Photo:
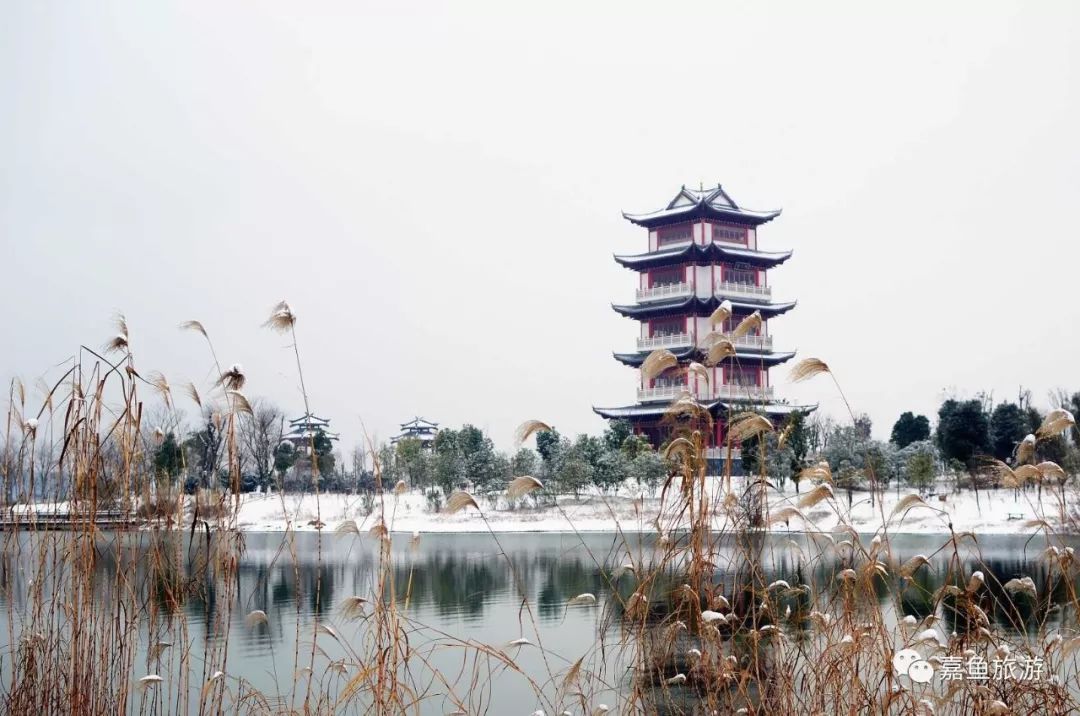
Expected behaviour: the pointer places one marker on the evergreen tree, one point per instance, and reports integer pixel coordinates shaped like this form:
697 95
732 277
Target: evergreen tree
910 428
616 433
920 468
1008 426
324 455
284 458
547 444
523 462
963 431
414 461
169 457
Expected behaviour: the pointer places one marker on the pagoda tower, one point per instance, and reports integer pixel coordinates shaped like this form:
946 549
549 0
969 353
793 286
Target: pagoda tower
702 253
302 431
418 429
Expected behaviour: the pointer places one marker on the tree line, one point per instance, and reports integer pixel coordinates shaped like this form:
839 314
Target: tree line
967 436
466 457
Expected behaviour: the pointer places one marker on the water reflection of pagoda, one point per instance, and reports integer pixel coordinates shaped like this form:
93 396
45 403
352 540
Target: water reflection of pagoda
302 431
703 251
418 429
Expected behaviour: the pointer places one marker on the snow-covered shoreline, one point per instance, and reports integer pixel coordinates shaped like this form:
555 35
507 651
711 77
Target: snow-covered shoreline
1000 511
997 511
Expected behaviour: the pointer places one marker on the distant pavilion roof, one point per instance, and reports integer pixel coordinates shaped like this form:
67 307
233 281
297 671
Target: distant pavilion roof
702 256
309 419
306 427
711 203
696 306
770 359
419 423
417 429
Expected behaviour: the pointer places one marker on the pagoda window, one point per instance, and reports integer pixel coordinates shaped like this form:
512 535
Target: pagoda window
740 273
743 375
684 233
667 276
669 379
728 233
737 318
667 327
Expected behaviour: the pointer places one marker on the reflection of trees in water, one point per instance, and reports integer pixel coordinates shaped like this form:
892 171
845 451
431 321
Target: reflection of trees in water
175 577
452 584
562 579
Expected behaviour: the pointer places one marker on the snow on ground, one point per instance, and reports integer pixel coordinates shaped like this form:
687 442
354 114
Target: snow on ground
1000 511
633 509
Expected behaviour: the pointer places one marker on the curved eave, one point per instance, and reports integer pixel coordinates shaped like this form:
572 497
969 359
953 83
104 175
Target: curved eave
702 211
761 259
658 309
658 410
634 360
771 409
663 257
702 256
697 307
631 411
640 410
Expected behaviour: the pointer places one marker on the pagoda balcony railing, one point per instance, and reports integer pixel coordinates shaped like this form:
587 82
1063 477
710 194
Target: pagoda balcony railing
721 453
672 340
659 393
763 343
658 293
743 392
743 290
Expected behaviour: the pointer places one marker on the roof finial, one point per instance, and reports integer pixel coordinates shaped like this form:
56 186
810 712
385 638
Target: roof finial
701 185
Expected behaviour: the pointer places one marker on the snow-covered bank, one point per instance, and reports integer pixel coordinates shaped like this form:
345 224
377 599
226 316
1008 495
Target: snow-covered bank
1001 511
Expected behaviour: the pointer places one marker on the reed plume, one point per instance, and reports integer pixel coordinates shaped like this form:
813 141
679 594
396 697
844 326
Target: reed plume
528 428
750 323
721 314
521 486
657 362
807 368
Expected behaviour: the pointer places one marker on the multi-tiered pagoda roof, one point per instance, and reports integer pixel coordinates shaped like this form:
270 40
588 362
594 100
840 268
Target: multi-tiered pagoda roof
702 204
418 429
703 254
696 306
306 427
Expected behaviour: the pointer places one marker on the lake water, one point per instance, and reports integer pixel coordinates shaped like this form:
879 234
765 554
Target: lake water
460 587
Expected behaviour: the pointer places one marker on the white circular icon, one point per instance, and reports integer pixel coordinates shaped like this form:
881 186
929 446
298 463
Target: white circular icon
903 660
921 672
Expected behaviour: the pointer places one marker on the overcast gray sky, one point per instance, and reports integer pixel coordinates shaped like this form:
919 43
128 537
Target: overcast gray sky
436 188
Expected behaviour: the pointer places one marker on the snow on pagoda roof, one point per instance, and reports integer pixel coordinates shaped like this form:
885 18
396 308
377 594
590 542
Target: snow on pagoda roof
775 408
702 255
422 438
646 410
697 307
309 419
633 411
419 422
308 434
713 202
635 360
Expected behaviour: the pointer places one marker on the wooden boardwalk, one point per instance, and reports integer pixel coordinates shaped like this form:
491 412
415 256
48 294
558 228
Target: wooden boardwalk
64 520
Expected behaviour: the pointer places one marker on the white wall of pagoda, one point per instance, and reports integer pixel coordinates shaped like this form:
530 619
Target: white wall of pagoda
703 280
